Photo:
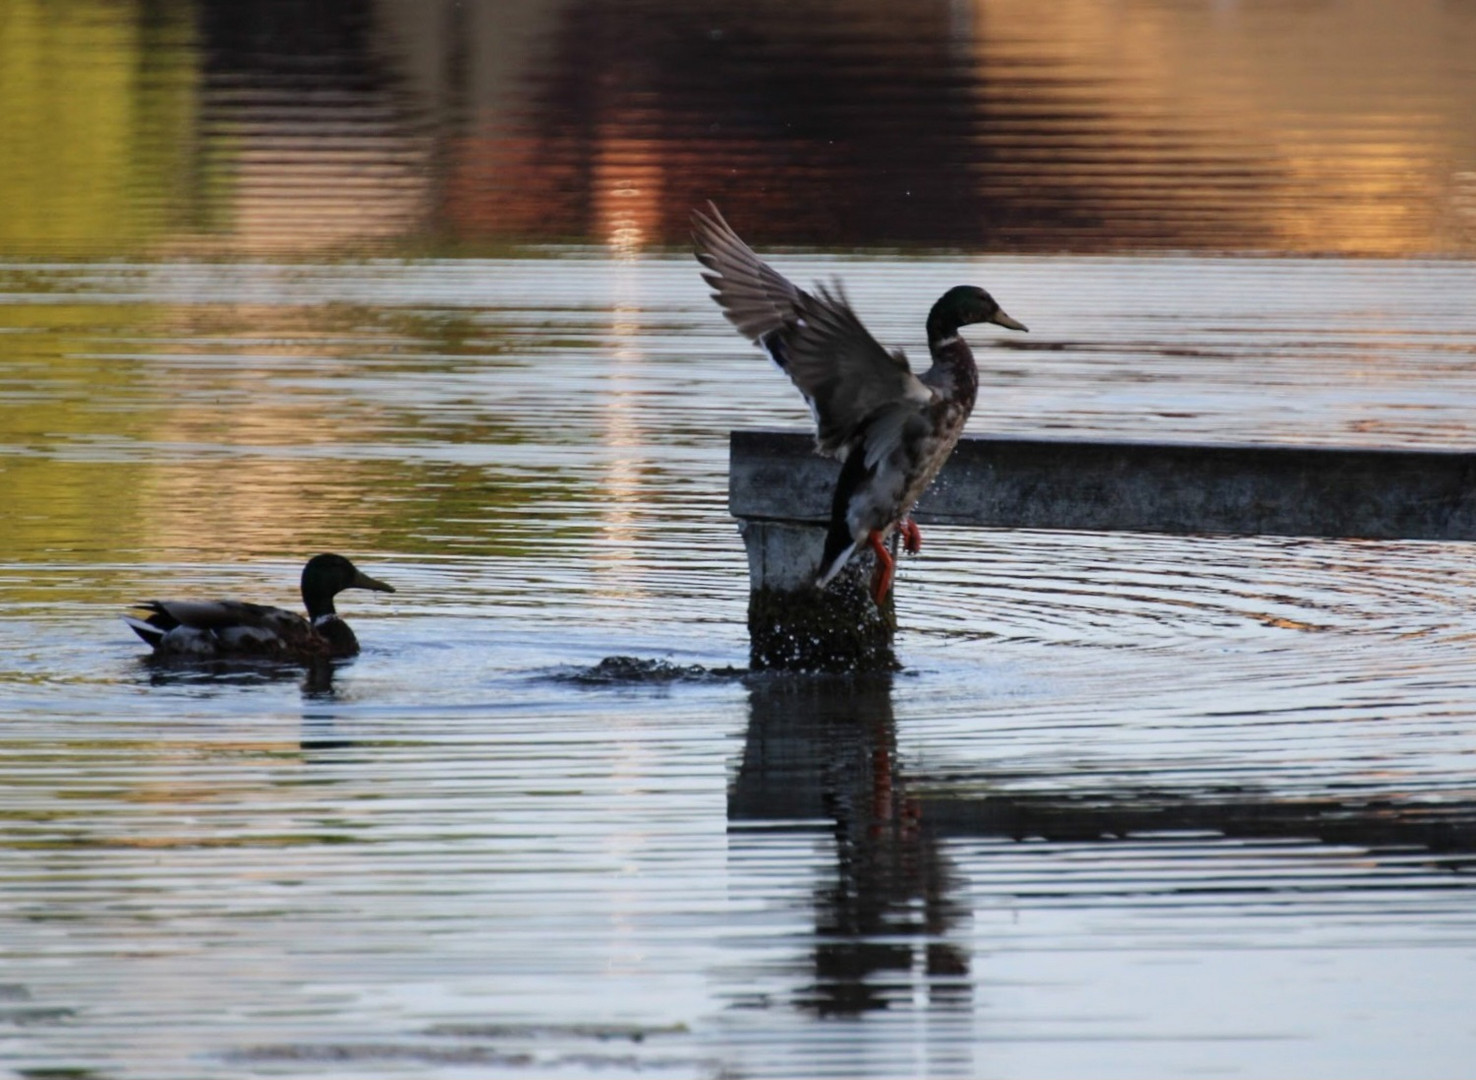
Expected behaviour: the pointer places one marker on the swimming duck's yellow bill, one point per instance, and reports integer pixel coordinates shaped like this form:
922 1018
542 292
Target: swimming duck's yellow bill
364 581
1008 323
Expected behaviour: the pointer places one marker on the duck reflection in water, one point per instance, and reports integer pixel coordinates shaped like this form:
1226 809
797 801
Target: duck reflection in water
314 679
825 747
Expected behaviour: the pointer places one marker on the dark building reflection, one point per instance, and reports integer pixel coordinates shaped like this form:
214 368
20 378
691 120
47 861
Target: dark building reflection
830 124
825 749
306 129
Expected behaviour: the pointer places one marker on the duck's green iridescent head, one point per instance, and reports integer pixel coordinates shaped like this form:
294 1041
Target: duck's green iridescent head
325 576
962 305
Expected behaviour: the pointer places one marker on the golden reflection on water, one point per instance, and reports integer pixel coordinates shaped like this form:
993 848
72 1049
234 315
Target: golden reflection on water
627 188
1340 127
996 125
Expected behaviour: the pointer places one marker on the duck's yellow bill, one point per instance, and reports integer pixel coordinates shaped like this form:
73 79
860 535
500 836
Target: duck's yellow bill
364 581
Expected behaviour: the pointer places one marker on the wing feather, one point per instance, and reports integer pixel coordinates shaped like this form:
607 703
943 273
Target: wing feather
755 297
842 371
222 614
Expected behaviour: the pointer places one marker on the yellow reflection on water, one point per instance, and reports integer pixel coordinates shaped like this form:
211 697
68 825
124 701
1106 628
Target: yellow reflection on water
211 432
97 146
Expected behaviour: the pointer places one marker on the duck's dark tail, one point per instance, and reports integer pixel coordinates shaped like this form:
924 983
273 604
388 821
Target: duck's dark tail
839 547
151 634
841 541
152 629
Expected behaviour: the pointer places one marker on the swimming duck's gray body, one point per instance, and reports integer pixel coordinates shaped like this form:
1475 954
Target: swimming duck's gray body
234 628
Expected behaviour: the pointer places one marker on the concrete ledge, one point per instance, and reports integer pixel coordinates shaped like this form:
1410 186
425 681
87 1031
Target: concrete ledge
1002 482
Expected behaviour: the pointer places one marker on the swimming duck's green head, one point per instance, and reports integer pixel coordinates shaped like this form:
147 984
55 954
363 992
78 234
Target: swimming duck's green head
325 576
962 305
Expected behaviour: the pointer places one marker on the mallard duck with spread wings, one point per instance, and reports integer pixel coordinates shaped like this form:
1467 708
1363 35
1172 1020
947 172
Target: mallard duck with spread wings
235 628
891 430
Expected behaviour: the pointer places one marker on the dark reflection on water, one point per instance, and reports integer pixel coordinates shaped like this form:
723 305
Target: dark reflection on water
826 748
1410 831
890 928
996 125
223 677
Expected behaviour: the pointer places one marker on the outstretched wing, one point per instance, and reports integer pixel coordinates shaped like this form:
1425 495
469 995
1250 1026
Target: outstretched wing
843 372
755 297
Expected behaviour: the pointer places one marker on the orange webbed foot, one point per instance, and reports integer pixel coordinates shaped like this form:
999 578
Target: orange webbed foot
911 535
886 568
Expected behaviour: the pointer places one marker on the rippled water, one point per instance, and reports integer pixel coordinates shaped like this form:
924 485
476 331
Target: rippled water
1138 805
257 126
400 279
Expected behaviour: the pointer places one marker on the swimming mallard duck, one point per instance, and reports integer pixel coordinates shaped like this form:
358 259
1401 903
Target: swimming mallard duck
234 628
891 429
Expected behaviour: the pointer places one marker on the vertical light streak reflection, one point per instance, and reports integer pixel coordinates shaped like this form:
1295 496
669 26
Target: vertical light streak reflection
627 192
622 493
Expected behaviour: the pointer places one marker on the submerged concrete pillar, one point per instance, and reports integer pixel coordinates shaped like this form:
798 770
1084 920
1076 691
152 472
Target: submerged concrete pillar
792 625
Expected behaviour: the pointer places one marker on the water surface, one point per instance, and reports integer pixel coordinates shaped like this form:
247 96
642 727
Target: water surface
404 281
1138 805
